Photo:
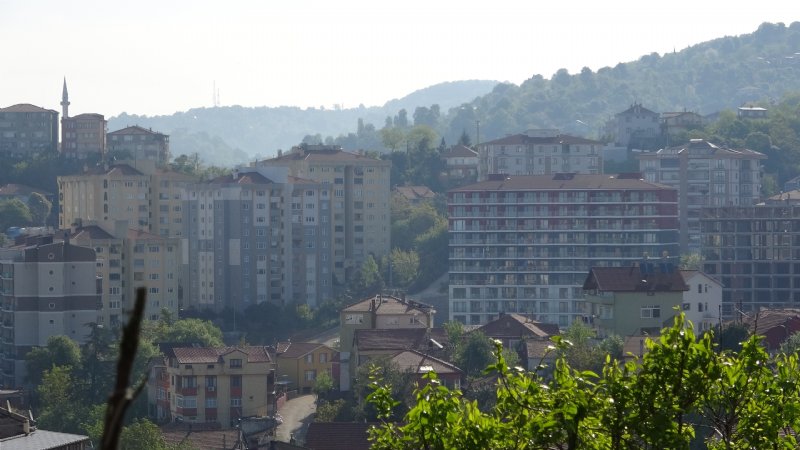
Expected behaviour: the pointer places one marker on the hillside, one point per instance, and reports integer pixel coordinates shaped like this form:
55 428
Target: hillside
720 74
234 134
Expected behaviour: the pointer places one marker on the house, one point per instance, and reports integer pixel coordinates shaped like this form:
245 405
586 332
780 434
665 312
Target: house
140 143
629 300
419 363
775 325
415 194
19 432
377 313
301 362
751 112
461 164
537 352
702 303
512 329
636 127
673 123
213 385
371 344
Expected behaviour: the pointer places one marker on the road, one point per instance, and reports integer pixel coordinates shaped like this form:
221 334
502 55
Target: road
297 414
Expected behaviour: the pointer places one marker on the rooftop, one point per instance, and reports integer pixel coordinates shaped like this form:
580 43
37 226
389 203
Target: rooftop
26 107
652 276
562 181
421 339
387 304
513 324
524 139
211 355
297 349
136 129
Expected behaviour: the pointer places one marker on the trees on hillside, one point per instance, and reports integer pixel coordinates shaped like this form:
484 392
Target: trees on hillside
682 393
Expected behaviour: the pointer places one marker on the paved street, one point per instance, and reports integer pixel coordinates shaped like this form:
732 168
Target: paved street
297 414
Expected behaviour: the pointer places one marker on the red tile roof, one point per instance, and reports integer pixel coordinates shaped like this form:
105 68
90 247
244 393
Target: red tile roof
418 362
632 279
298 349
136 129
243 178
91 232
26 107
518 326
324 155
211 355
524 139
387 304
460 151
400 339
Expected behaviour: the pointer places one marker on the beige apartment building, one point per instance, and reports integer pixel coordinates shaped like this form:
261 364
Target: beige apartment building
300 363
212 385
360 200
140 144
128 259
539 152
28 130
83 136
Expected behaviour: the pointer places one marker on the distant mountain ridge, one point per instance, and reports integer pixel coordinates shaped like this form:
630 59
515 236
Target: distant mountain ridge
761 67
229 135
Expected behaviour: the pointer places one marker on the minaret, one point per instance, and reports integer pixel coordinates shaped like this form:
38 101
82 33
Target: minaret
64 101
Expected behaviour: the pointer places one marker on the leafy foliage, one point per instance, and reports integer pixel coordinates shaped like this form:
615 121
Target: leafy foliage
682 390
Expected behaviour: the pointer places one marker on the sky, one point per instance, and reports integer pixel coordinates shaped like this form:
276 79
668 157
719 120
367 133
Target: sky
151 57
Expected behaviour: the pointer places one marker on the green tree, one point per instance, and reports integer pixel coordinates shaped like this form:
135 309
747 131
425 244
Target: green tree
392 138
198 331
474 354
60 409
692 261
323 385
142 435
368 280
39 208
59 351
14 213
404 267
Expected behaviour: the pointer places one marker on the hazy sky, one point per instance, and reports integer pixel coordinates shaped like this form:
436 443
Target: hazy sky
157 57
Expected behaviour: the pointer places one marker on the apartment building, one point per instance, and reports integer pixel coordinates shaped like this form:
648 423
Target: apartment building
755 252
46 289
128 259
27 130
636 127
359 186
212 385
524 244
539 152
83 136
105 194
140 144
258 235
705 174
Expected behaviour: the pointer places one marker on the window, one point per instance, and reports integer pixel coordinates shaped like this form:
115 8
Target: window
190 382
323 358
236 381
310 358
211 402
211 381
310 375
190 402
236 401
651 312
235 363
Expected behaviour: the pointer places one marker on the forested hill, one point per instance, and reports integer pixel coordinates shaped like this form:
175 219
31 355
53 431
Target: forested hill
760 67
233 134
720 74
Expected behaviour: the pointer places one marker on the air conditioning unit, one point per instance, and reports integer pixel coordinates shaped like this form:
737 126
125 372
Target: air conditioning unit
211 388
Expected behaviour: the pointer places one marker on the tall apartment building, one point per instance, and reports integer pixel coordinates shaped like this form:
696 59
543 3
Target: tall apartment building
28 130
103 195
119 208
46 289
360 191
525 244
83 136
704 174
149 199
140 143
539 152
212 385
258 235
128 259
755 252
